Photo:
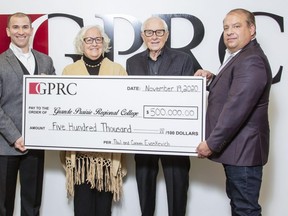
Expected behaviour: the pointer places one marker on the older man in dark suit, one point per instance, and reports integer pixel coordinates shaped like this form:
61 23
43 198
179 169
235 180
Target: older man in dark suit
237 128
160 60
19 59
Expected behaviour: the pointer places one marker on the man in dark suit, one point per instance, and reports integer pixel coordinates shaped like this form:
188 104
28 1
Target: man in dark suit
161 60
237 128
19 59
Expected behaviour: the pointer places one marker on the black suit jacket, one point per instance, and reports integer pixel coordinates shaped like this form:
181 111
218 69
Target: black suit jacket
237 128
174 63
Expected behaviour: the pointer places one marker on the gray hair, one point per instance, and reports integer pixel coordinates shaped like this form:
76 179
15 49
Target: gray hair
154 18
78 42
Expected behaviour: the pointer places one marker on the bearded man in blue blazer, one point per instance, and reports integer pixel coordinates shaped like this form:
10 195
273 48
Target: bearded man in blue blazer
237 128
18 60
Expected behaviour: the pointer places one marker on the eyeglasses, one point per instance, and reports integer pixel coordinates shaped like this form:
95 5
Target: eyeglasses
158 32
89 40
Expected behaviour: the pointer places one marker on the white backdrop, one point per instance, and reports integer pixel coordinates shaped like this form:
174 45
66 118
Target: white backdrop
207 183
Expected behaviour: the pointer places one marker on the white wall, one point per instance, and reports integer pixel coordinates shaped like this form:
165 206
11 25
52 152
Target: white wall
207 192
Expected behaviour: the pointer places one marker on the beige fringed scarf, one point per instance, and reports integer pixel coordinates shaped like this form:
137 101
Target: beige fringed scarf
94 166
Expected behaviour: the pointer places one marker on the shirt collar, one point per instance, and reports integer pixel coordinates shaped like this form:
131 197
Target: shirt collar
18 51
228 53
160 54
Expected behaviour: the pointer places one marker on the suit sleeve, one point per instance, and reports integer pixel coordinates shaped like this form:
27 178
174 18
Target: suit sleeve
128 66
7 127
188 67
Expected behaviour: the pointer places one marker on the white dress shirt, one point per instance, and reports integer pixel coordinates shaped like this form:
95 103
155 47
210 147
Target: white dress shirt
27 59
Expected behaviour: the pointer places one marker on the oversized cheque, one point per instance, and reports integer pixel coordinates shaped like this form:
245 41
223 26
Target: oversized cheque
153 115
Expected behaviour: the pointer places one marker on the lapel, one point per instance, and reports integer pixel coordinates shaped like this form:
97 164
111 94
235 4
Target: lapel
143 68
104 68
164 67
225 69
12 60
36 62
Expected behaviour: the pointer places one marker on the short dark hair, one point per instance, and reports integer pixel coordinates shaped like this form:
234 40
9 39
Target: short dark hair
249 15
250 18
18 14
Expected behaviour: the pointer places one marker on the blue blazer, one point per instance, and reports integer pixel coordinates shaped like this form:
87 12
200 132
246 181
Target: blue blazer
237 128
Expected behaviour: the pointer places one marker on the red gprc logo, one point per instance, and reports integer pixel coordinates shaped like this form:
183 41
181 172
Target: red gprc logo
52 88
34 88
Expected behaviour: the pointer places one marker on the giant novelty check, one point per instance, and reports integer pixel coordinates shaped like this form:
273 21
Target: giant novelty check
131 114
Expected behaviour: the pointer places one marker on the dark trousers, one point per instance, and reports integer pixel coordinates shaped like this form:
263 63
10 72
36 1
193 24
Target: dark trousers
243 188
91 202
31 168
176 173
